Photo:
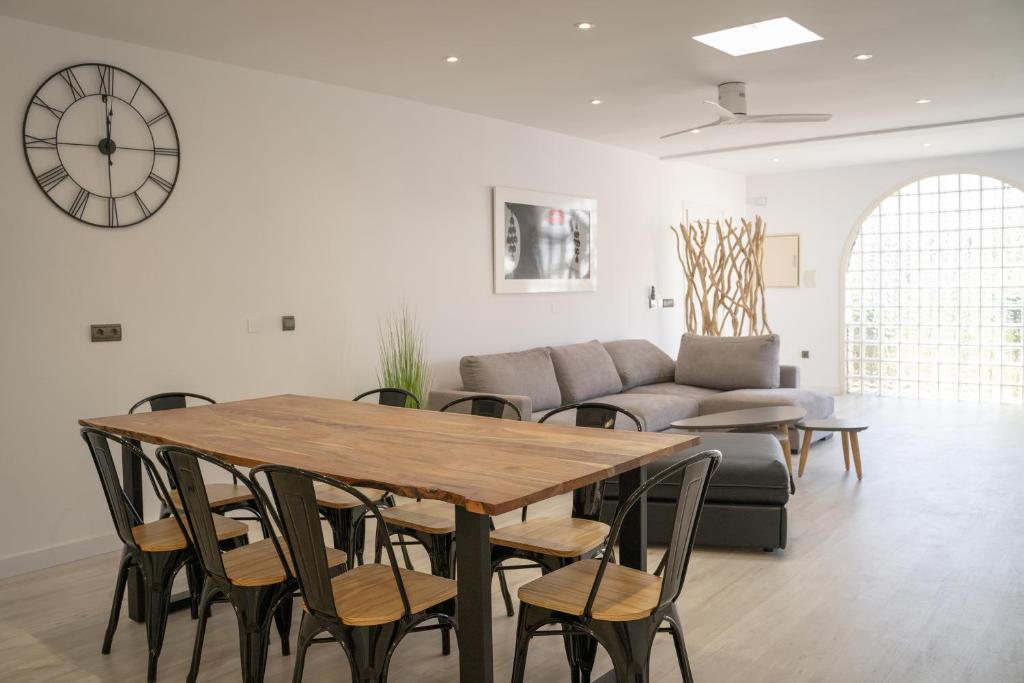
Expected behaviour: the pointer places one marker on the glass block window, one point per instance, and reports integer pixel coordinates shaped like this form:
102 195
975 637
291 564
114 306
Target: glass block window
935 293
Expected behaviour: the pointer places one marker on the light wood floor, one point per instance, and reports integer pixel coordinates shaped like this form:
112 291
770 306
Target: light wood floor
914 574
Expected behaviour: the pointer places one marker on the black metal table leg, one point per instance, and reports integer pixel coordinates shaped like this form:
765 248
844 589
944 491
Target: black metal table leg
633 541
473 561
131 474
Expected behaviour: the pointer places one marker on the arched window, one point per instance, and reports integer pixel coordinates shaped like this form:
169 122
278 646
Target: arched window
935 293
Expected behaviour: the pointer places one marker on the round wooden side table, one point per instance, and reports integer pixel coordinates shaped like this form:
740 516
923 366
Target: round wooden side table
848 429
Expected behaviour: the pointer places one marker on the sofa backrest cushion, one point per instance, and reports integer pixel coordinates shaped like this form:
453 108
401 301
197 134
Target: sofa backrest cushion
729 362
640 362
525 373
584 371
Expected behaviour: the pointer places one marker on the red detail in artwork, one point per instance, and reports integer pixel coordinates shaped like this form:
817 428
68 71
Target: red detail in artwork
554 216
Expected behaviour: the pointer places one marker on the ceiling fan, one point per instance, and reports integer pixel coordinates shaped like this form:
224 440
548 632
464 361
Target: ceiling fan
732 110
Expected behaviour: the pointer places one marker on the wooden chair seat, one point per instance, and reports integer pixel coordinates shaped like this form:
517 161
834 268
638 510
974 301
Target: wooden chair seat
368 595
625 594
428 516
164 535
338 499
258 564
556 536
220 495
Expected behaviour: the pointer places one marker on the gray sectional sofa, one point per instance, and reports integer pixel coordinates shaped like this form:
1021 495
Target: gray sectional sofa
747 495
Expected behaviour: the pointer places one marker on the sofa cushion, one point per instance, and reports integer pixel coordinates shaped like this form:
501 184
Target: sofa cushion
527 373
655 412
673 389
640 362
584 371
817 404
753 471
728 362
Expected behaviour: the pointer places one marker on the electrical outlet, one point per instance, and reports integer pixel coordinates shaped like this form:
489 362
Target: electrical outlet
105 333
805 354
668 303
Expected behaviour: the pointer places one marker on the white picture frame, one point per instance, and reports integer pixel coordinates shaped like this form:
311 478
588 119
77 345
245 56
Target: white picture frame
544 242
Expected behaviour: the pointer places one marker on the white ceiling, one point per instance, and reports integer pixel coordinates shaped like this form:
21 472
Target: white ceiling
523 61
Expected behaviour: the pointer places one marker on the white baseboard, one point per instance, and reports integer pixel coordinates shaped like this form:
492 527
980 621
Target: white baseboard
12 565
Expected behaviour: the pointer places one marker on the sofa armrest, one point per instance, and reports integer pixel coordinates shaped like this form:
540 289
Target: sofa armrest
437 398
789 377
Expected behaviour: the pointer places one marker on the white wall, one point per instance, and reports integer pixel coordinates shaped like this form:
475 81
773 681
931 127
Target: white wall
826 208
295 197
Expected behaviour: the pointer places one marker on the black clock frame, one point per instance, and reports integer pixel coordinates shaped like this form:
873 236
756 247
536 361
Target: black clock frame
103 146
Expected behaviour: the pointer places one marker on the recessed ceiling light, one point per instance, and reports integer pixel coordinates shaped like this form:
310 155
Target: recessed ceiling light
863 57
776 160
927 144
584 26
595 101
923 100
695 131
759 37
451 59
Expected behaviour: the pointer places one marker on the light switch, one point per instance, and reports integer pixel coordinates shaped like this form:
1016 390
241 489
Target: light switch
288 323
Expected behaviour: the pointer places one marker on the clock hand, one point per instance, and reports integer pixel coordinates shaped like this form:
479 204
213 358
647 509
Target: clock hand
91 144
110 114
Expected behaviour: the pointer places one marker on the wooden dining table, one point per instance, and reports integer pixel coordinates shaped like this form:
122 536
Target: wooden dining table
481 465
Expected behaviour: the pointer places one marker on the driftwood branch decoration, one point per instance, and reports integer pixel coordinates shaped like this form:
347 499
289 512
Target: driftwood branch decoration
722 268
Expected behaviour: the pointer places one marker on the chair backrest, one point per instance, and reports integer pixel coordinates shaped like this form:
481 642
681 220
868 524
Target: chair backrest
123 514
486 405
183 466
295 500
392 396
169 401
695 473
587 501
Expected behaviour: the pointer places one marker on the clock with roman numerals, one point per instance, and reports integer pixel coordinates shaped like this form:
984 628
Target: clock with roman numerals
101 145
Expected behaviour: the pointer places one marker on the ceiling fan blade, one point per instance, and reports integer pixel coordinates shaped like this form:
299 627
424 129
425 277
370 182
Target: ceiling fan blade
690 130
722 111
787 118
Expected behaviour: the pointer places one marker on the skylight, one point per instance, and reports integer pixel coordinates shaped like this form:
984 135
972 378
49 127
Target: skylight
759 37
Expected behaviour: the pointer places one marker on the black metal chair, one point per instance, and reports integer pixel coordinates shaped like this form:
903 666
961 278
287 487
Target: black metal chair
345 514
621 608
488 405
156 549
223 497
549 543
252 578
392 396
366 610
432 523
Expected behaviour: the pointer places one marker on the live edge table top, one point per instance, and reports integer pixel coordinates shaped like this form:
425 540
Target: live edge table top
485 465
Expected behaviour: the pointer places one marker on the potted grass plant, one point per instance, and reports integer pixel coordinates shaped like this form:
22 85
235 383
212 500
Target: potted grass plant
403 354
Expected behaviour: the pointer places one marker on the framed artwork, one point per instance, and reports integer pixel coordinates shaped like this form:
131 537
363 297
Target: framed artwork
544 242
781 261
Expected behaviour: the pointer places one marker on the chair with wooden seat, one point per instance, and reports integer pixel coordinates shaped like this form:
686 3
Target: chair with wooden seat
622 608
345 514
224 497
252 578
431 523
156 549
553 542
366 610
